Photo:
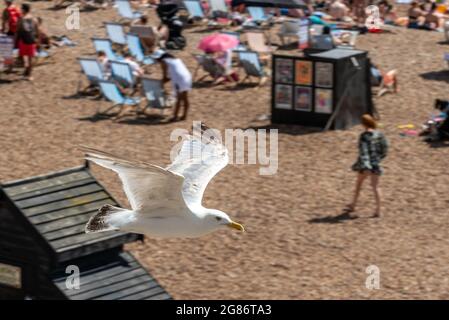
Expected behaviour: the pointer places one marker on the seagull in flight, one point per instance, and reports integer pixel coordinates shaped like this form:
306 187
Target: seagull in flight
165 203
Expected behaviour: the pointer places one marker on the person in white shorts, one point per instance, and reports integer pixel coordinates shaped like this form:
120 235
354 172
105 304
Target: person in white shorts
175 70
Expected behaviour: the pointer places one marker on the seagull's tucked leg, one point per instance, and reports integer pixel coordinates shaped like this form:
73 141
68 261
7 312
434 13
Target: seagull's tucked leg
110 218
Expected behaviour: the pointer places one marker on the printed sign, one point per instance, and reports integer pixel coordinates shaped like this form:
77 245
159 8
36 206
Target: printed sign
284 70
10 276
304 72
303 99
283 96
323 101
323 74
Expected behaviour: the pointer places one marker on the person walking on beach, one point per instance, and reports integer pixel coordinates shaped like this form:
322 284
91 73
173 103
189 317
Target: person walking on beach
175 70
27 36
373 148
10 17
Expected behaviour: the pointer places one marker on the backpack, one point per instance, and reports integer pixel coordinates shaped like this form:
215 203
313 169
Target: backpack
27 31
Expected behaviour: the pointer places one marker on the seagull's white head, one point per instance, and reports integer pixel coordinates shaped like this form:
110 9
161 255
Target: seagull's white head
216 219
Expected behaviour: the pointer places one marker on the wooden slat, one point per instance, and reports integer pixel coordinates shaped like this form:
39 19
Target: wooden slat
80 239
98 275
107 282
110 241
65 213
89 270
56 196
108 289
128 257
63 223
66 232
145 294
73 202
46 182
161 296
153 286
52 189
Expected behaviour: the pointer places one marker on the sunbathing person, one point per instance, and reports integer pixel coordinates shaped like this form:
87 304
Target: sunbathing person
434 20
387 12
386 81
339 11
105 64
135 68
416 16
224 59
160 35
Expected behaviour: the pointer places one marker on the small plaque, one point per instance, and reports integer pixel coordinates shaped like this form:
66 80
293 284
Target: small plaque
10 275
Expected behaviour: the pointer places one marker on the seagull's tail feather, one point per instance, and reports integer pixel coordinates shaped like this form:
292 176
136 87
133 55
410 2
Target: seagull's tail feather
109 218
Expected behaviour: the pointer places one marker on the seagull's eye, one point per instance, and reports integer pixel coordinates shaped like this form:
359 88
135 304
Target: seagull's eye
218 218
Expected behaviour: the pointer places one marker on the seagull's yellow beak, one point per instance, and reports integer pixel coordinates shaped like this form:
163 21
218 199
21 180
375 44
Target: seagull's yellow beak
236 225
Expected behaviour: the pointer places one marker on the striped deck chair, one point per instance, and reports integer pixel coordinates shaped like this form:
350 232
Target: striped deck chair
210 66
112 93
258 14
289 29
250 62
105 45
194 9
115 32
135 48
154 94
218 6
125 11
123 74
92 70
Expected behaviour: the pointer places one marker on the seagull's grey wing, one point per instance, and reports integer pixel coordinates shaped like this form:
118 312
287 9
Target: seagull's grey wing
198 161
148 187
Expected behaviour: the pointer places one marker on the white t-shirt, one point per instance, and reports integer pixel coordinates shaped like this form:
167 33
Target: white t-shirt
180 76
134 67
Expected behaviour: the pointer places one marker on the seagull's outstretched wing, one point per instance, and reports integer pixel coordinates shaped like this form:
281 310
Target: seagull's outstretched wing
198 161
148 187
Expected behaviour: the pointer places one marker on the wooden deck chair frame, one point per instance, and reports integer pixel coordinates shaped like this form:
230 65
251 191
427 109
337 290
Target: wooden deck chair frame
200 59
164 105
82 75
115 105
262 78
254 43
200 20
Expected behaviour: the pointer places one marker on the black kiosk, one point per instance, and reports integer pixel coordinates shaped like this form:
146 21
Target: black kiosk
330 90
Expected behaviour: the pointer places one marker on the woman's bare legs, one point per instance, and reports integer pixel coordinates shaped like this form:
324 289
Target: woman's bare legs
177 107
376 190
361 176
184 97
